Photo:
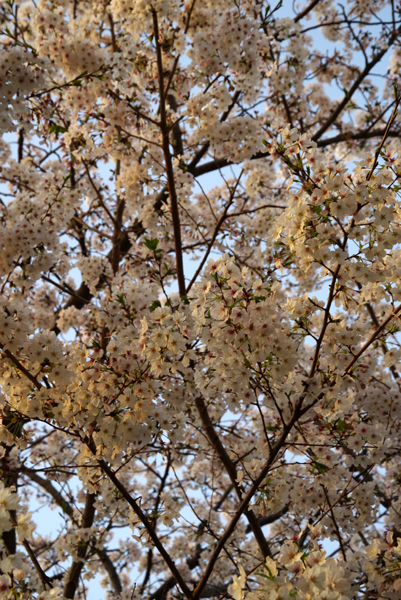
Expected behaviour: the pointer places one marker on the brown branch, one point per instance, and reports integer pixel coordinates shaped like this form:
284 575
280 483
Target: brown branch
72 579
113 34
214 236
379 328
347 97
177 58
20 144
83 296
67 84
386 132
376 323
47 485
268 519
220 163
66 507
86 226
232 473
202 151
176 133
145 521
169 165
371 339
306 10
333 518
42 575
358 135
326 319
297 413
118 223
21 367
65 290
168 585
193 561
98 194
110 569
155 510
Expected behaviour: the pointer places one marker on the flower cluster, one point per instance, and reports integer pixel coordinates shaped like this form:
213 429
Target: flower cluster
200 360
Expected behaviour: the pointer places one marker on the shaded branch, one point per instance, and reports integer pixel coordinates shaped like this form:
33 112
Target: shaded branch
169 165
232 473
145 521
193 561
306 10
347 97
72 578
297 413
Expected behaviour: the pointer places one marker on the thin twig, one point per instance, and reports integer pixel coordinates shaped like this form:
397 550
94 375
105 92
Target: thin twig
386 132
149 528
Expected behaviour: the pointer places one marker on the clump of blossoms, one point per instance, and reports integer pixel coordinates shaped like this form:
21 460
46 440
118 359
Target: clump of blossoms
311 574
200 300
18 578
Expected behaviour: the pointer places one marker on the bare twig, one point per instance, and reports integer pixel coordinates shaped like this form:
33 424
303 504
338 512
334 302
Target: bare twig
148 526
232 473
306 10
386 132
72 579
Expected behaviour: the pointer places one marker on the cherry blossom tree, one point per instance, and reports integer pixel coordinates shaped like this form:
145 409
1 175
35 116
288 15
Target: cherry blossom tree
200 299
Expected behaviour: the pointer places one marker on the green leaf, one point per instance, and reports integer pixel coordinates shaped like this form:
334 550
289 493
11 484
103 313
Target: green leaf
342 425
168 270
269 576
320 467
120 299
96 344
57 129
81 75
155 305
151 244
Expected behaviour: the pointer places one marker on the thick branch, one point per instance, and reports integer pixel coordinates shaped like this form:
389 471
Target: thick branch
155 510
220 163
297 413
372 338
176 132
21 367
355 86
232 473
68 509
193 561
72 579
110 570
306 10
42 575
47 485
268 519
149 528
169 165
